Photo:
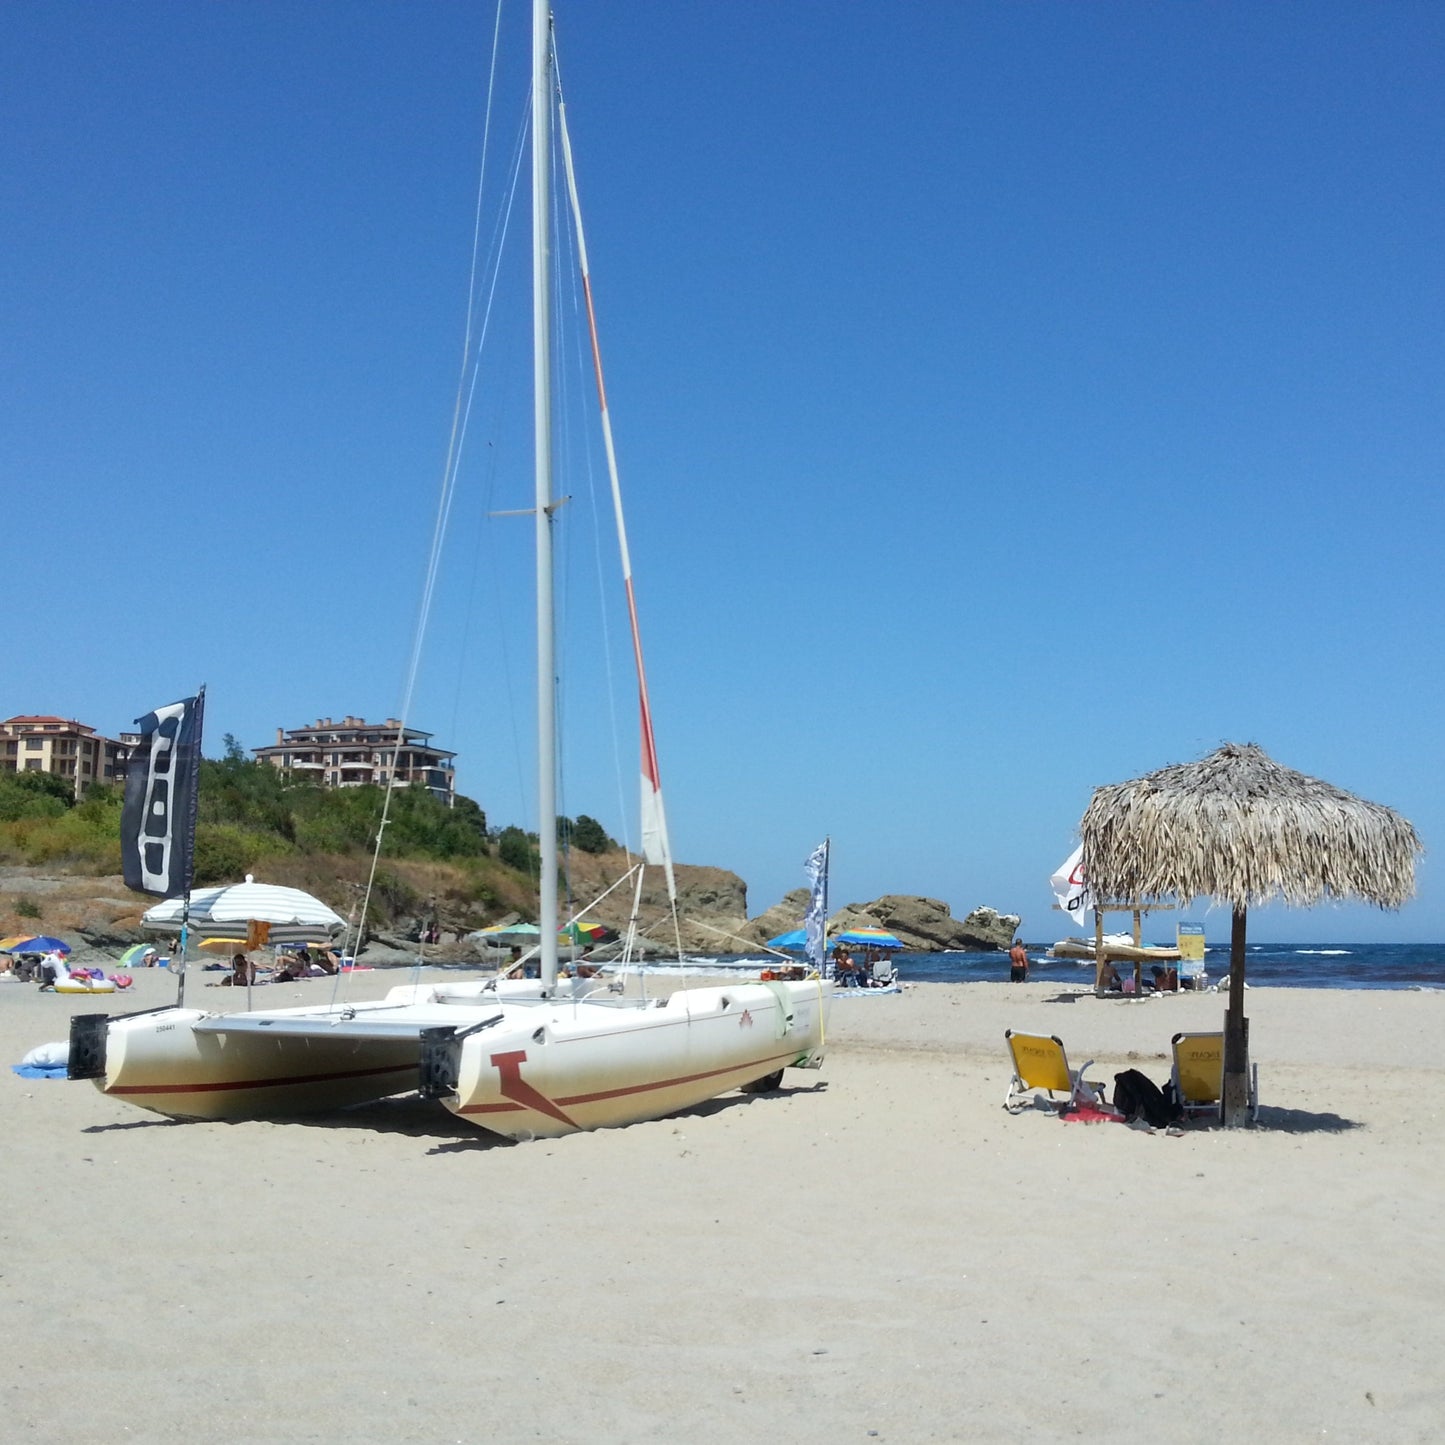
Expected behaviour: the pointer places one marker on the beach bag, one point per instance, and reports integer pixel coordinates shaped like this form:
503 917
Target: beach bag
1137 1096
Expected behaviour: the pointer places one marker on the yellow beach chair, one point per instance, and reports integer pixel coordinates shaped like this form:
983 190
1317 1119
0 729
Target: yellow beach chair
1198 1075
1039 1062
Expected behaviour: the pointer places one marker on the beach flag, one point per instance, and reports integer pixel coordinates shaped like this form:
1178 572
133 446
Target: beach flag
1070 886
158 819
815 921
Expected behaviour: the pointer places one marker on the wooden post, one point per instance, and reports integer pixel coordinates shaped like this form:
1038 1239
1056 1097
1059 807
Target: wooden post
1138 962
1098 949
1234 1100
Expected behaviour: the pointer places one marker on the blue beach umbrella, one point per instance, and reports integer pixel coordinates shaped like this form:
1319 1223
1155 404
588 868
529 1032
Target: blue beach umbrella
39 943
794 938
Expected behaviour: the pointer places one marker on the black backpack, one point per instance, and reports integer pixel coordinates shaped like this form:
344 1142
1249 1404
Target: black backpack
1137 1096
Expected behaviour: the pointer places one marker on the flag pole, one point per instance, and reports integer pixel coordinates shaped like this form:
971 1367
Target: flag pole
189 825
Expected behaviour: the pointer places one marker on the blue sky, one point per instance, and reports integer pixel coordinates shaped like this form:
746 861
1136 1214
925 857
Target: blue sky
1011 398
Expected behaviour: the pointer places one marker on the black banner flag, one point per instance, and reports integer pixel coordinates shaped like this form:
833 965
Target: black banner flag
158 822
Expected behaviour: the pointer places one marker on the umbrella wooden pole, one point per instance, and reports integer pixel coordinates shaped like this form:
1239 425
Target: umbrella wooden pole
1138 962
1234 1100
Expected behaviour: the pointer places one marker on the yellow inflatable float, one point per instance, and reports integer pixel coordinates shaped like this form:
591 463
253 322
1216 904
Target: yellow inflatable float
83 983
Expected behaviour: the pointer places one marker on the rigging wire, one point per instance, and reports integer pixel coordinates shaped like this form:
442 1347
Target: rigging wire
450 469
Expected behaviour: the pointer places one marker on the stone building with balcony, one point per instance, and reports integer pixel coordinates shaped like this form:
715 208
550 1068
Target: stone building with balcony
352 752
69 749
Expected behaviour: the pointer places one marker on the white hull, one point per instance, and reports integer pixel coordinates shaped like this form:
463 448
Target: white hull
595 1065
190 1065
600 1066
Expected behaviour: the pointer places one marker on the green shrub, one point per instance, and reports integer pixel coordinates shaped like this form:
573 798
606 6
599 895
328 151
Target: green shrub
391 897
590 836
226 855
515 849
34 795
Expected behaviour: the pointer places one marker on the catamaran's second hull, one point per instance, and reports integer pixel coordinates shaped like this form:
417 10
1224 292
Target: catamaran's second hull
596 1067
173 1063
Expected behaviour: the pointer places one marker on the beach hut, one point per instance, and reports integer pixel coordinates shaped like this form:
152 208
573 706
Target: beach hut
1240 828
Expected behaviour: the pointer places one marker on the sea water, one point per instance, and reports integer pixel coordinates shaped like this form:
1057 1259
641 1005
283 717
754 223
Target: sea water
1268 965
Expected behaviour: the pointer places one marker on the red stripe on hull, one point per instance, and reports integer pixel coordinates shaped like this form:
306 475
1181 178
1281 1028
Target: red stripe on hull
572 1099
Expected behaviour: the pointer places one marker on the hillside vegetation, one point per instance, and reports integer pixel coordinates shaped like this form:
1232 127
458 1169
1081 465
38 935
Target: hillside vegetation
440 862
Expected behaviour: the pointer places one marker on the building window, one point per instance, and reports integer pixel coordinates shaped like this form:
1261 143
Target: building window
33 745
32 765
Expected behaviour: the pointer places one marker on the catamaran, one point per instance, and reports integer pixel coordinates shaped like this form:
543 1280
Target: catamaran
571 1056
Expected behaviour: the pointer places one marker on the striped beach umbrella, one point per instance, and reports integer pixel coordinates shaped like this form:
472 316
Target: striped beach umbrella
583 933
867 938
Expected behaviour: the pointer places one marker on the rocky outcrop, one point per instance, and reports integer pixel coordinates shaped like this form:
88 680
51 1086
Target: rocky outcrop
925 925
712 903
988 928
780 918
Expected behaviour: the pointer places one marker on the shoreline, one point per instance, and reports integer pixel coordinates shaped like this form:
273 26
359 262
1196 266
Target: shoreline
878 1247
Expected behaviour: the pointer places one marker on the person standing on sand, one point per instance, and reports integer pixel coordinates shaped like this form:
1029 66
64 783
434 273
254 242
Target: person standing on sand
1018 963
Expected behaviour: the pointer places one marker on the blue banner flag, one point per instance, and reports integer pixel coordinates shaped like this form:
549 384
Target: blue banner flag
158 820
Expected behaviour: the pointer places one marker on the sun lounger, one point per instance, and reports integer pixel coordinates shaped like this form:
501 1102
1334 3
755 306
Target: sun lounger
1039 1062
1198 1075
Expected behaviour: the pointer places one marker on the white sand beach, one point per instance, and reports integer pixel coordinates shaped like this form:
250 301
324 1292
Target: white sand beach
876 1252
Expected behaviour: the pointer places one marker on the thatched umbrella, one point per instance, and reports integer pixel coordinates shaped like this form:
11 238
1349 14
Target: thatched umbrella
1238 827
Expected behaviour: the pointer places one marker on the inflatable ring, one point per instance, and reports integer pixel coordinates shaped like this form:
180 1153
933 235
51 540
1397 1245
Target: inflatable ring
84 985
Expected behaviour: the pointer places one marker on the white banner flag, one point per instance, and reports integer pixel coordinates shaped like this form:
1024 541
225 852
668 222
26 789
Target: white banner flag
815 921
1071 888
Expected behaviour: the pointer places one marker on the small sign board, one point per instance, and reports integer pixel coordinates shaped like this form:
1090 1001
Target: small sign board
1190 937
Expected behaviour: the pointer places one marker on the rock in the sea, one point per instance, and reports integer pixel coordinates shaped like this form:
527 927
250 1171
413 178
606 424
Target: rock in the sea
924 925
988 928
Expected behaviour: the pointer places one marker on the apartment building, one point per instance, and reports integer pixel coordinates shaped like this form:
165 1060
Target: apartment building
351 752
58 745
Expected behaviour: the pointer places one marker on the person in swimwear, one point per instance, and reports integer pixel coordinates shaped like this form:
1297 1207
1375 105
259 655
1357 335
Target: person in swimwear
1018 963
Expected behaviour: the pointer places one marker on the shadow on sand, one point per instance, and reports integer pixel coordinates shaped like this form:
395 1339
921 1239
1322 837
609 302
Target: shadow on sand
411 1116
479 1138
406 1114
1303 1121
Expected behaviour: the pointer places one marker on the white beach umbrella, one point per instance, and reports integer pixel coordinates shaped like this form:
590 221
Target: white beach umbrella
225 912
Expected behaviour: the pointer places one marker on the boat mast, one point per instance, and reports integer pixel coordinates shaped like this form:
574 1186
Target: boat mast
542 392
